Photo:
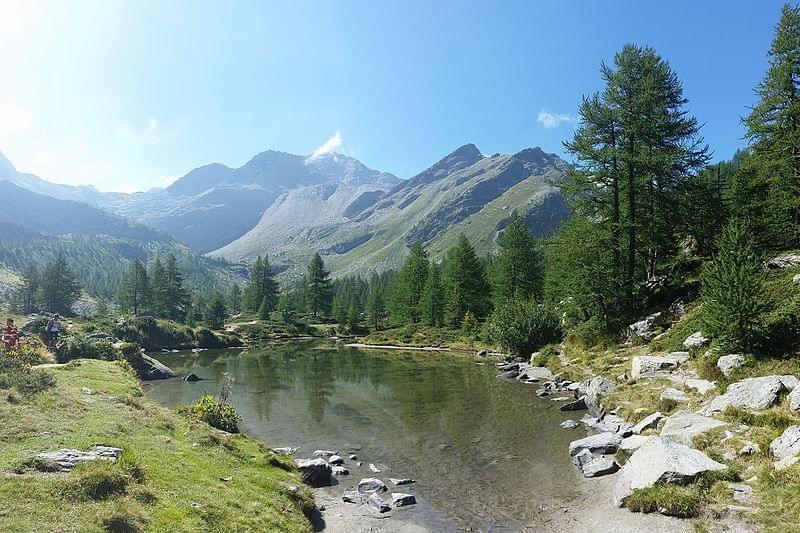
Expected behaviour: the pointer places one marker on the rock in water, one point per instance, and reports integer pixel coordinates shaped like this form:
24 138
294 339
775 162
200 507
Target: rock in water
149 368
398 482
335 460
400 499
684 425
315 472
594 466
577 405
371 485
787 445
192 377
66 459
661 460
378 503
600 443
569 424
324 453
339 471
286 450
729 363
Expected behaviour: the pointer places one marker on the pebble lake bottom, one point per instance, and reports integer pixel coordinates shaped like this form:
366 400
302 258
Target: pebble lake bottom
485 454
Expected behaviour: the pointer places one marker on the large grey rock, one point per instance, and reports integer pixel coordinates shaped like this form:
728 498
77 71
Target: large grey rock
728 363
600 443
577 405
655 365
335 459
700 385
592 465
535 373
794 399
696 340
371 485
315 472
754 394
65 459
787 445
683 426
611 424
568 424
784 261
352 496
644 328
648 422
632 443
661 460
595 390
674 395
150 368
401 499
378 503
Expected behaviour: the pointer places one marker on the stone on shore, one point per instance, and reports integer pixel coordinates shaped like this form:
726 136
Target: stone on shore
592 465
787 445
400 499
509 375
324 453
378 503
577 405
65 459
696 340
648 422
604 443
315 472
352 496
661 460
371 485
728 363
674 395
402 481
335 460
753 394
594 392
150 368
339 471
286 450
683 426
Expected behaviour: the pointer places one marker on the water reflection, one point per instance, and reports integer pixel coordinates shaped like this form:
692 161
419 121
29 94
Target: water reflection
485 452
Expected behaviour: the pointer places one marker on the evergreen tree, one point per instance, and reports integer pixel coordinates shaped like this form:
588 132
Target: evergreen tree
408 285
25 301
253 295
269 287
318 287
236 299
376 307
59 287
216 312
705 205
177 297
352 316
517 271
465 285
770 179
159 289
733 290
263 310
134 292
431 303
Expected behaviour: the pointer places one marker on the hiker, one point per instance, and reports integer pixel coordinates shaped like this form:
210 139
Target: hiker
53 329
10 335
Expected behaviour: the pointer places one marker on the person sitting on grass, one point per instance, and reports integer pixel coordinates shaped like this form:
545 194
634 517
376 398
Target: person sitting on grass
53 329
10 335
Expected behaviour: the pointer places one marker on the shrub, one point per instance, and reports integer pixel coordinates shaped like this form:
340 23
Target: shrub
522 327
590 333
668 499
96 480
78 346
15 374
216 414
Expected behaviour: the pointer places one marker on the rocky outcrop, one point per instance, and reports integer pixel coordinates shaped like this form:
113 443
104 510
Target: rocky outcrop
644 328
633 443
315 472
696 340
794 399
683 426
753 394
603 443
672 394
787 445
592 465
66 459
594 391
150 368
728 363
661 460
652 365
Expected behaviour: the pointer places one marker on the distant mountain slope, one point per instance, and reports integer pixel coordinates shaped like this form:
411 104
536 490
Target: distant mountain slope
464 191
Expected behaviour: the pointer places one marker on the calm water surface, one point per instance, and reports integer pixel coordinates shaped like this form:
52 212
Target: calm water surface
486 454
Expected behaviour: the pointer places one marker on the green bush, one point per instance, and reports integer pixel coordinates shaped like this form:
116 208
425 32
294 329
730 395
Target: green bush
96 480
79 347
522 327
216 414
17 375
590 333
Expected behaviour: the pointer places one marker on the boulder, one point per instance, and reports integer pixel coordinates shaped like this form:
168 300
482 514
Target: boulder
612 424
674 395
577 405
787 445
632 443
508 367
700 385
696 340
595 390
65 459
400 499
789 260
794 399
684 425
150 368
324 453
315 472
371 485
378 503
286 450
604 443
648 422
569 424
654 365
335 460
591 465
402 481
192 377
509 375
661 460
728 363
754 394
785 463
644 328
535 373
352 496
339 471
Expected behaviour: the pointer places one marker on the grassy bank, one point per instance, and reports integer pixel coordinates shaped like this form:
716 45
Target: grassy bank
175 474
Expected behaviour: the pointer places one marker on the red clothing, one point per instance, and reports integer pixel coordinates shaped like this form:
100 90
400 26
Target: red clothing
10 337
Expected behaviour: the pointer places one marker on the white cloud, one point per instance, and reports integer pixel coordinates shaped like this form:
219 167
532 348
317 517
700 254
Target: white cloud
13 118
333 143
552 120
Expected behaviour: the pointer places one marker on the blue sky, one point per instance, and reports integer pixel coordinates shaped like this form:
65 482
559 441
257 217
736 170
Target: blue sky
130 95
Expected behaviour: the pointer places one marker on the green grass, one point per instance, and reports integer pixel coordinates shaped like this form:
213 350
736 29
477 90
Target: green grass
674 500
689 323
417 335
170 477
